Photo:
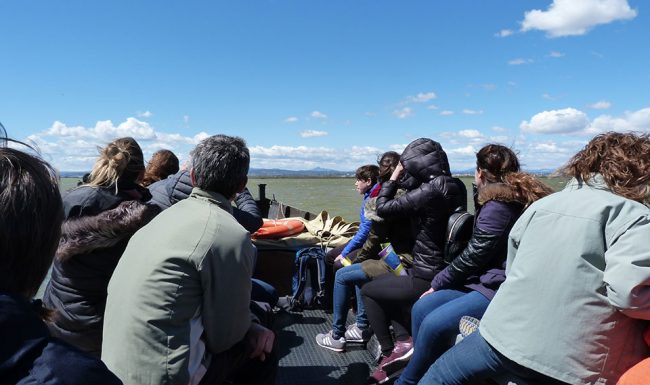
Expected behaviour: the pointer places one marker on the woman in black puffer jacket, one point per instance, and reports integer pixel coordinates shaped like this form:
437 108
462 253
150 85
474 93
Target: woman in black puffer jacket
432 195
100 218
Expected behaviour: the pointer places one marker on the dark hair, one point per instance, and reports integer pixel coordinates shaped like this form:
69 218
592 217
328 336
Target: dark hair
496 161
387 163
121 159
369 171
622 159
162 164
220 164
31 213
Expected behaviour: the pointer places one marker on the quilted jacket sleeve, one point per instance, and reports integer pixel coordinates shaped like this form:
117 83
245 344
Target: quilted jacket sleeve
247 213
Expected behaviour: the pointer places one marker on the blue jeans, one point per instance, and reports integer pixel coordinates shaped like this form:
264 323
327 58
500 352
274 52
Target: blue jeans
345 278
474 359
434 323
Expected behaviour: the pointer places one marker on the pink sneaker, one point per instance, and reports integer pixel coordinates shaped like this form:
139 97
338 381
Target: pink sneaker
399 357
379 376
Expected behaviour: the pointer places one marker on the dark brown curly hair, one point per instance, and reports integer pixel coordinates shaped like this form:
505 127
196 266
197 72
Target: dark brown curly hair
623 159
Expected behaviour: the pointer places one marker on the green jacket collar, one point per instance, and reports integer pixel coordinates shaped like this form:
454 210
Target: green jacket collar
213 197
596 182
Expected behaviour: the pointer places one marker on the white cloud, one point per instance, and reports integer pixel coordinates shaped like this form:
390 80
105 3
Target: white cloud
467 111
600 105
403 113
630 121
146 114
432 107
291 119
312 133
470 134
556 121
555 54
504 33
423 97
72 148
499 129
570 120
446 113
549 96
499 139
576 17
463 151
370 114
318 115
519 61
305 157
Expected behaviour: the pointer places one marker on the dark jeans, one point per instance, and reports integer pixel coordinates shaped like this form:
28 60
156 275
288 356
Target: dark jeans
434 323
388 300
474 359
235 366
263 292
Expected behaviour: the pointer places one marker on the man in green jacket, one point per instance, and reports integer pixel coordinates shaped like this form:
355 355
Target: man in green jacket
178 302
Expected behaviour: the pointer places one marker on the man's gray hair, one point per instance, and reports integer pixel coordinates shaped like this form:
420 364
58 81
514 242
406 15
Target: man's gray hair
220 164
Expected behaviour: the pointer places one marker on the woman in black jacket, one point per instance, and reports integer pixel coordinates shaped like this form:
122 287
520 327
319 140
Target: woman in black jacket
100 218
432 195
30 221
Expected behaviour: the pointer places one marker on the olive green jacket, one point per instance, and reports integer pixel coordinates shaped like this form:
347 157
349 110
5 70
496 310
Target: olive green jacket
191 264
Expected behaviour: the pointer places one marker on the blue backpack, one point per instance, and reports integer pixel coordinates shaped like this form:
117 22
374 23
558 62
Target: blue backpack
308 283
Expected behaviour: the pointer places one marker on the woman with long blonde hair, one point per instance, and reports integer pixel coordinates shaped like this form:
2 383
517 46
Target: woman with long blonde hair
100 218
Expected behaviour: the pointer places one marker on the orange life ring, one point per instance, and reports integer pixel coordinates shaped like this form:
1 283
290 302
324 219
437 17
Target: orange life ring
278 228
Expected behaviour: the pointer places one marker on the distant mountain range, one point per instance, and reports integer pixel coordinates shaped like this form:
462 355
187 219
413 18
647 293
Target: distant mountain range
317 172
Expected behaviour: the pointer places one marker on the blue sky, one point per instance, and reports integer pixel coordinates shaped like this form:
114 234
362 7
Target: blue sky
323 83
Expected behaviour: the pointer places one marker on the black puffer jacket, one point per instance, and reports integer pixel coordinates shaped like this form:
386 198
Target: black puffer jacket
89 250
177 187
430 202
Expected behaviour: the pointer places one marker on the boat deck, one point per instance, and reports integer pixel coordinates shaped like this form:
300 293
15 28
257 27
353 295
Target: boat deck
302 361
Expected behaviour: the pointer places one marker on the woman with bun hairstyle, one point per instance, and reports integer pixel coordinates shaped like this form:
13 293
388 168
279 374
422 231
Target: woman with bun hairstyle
99 219
468 283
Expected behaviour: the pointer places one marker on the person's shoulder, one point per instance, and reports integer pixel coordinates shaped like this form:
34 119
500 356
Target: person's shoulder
60 363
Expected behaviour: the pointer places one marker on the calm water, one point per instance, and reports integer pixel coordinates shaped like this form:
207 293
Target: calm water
335 195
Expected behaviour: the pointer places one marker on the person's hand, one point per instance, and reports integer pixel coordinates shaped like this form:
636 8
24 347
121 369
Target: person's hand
397 172
261 340
427 292
338 258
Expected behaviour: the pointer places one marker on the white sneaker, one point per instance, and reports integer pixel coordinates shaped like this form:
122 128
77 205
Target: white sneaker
328 341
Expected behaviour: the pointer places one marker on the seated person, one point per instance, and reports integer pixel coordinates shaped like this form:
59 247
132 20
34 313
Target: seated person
100 217
576 298
356 274
178 303
432 195
468 283
31 213
163 163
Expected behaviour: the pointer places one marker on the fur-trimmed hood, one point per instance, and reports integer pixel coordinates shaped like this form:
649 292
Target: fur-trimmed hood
519 187
106 229
498 192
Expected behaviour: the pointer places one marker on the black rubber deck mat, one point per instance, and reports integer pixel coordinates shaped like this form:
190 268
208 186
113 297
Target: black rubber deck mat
302 361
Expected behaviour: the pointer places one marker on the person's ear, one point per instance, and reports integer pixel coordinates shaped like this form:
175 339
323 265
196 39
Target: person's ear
192 177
